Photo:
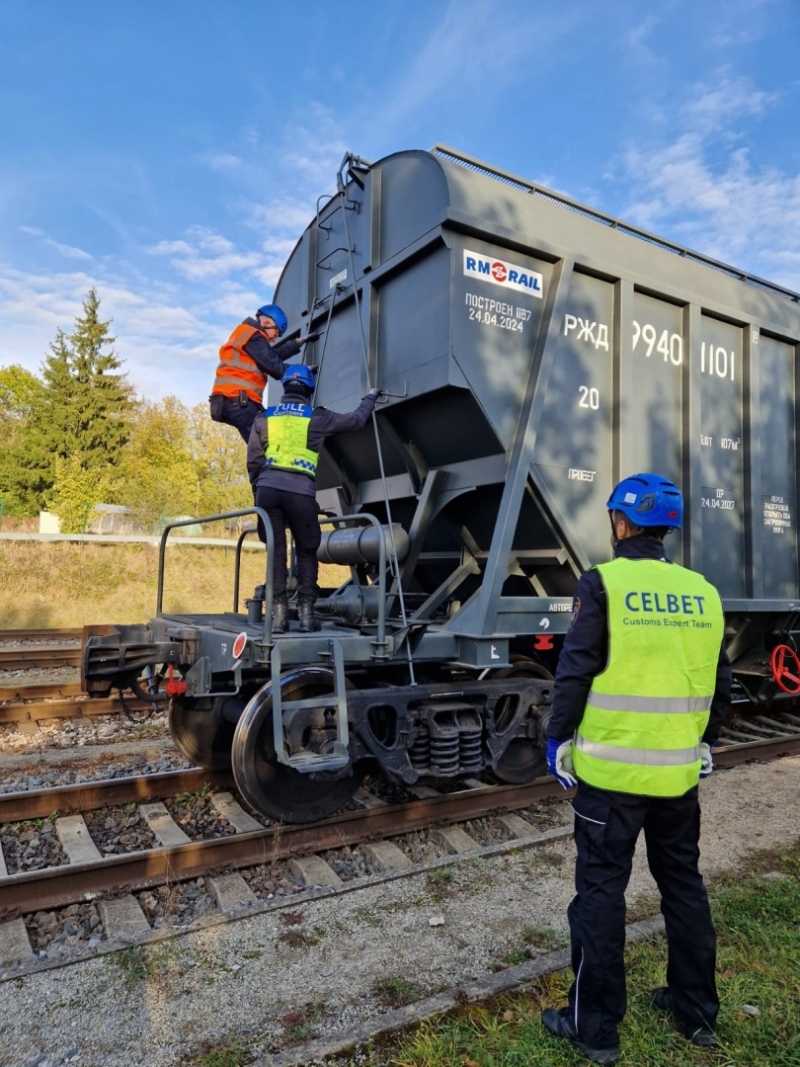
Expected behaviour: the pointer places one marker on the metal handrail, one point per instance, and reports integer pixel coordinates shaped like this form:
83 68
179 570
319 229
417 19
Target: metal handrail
268 581
462 159
237 565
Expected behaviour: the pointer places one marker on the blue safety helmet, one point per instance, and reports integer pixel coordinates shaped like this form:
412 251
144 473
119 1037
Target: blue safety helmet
648 500
277 316
297 372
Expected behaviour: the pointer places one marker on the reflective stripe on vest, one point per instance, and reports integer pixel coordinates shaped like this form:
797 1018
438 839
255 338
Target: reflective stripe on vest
647 711
236 371
648 757
658 705
287 439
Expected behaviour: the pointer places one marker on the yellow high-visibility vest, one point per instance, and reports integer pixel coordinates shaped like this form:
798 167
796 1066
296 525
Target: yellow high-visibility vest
646 712
287 437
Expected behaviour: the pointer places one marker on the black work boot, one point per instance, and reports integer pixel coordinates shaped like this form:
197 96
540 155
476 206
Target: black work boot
702 1036
306 598
280 612
560 1024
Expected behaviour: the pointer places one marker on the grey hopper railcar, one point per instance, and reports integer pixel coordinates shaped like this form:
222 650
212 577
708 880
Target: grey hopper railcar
532 352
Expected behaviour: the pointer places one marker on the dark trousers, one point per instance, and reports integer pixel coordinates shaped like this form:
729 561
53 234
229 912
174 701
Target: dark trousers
228 410
299 512
606 828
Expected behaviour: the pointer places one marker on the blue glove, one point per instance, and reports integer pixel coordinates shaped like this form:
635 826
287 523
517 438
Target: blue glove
559 761
706 759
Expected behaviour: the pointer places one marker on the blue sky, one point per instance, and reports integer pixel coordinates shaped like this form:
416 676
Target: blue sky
170 153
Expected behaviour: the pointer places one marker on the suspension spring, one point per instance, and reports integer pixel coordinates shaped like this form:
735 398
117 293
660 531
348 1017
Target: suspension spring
444 755
420 751
469 752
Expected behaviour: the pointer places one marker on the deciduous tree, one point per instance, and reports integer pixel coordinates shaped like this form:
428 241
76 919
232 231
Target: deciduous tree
20 391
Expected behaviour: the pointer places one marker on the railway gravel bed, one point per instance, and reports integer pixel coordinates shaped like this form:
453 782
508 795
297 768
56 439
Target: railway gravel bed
307 965
80 733
27 676
48 769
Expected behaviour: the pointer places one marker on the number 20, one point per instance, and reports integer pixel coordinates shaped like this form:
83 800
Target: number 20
590 398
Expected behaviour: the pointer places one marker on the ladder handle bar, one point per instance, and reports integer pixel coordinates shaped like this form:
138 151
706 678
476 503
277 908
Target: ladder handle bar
237 568
268 583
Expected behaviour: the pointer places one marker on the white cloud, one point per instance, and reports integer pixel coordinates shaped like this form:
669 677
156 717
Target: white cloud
206 255
704 188
68 251
638 35
728 98
166 347
224 161
473 51
281 216
236 301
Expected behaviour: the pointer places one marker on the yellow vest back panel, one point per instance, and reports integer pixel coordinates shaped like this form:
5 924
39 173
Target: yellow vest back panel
646 712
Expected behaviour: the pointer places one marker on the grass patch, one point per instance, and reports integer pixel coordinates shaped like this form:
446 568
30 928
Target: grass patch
300 1025
758 966
396 992
228 1052
441 876
64 584
143 963
544 938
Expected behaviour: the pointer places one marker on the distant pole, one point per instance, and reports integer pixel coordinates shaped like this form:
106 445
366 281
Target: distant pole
2 509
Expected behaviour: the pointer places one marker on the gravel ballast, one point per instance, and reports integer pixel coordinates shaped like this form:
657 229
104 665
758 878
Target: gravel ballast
318 967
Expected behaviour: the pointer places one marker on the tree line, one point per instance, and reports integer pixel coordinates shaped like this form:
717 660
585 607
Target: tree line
77 435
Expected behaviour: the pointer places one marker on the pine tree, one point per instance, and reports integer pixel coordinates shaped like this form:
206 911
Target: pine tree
84 409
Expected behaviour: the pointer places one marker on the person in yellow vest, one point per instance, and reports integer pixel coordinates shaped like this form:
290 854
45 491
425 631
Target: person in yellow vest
641 688
282 459
247 358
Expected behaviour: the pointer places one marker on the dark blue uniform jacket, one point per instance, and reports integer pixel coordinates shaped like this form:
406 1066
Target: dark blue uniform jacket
269 358
585 652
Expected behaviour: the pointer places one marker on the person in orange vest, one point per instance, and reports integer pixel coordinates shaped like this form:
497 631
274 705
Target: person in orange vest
245 360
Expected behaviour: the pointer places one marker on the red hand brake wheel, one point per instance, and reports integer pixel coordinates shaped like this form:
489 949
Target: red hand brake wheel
786 675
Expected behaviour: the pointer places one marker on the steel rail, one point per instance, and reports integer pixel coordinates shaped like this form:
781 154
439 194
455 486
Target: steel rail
44 657
33 710
54 887
88 796
12 636
58 886
22 693
769 749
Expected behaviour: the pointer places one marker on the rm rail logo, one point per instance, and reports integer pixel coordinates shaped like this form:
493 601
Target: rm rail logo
498 272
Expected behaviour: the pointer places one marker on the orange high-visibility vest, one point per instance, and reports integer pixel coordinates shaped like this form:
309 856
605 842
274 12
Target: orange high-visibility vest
236 371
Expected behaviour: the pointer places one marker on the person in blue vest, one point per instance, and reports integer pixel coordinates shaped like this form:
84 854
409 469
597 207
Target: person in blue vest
641 688
282 456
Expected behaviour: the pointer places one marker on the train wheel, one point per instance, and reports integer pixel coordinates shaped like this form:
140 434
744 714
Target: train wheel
278 791
200 733
523 760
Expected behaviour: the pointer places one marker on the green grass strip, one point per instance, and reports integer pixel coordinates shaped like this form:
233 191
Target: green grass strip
758 977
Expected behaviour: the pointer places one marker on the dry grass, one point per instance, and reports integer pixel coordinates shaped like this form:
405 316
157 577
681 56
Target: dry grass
63 584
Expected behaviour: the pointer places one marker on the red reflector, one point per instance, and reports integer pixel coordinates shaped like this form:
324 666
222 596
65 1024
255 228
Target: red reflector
542 642
239 645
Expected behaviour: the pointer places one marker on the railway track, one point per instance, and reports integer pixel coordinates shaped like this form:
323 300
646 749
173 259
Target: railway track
175 857
37 703
21 636
41 658
39 649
